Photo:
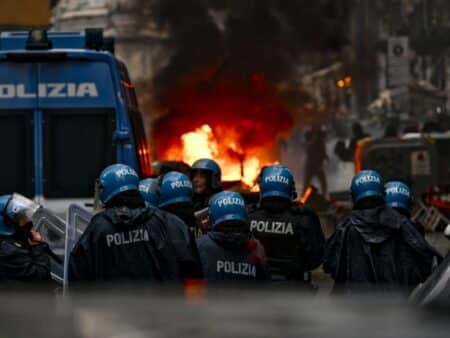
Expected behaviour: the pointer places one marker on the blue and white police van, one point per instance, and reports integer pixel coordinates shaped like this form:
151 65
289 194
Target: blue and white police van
67 110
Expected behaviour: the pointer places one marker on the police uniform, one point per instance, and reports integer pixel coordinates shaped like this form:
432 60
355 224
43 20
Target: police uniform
21 261
159 190
293 240
375 248
123 243
228 252
184 245
232 257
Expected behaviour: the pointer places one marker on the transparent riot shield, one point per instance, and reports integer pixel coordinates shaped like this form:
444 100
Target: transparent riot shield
78 219
436 289
53 232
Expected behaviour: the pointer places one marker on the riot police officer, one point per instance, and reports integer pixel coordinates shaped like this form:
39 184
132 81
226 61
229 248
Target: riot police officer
148 188
375 247
206 177
172 193
229 252
290 232
398 197
24 256
126 241
175 197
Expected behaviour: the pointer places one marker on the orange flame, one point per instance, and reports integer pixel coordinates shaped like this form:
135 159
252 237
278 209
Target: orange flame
222 147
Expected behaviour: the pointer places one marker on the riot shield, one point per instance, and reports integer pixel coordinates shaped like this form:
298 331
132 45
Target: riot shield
53 232
436 289
78 219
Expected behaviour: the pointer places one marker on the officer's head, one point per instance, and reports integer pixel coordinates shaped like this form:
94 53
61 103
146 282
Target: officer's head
276 184
174 188
206 176
367 190
16 212
149 191
228 212
398 195
119 186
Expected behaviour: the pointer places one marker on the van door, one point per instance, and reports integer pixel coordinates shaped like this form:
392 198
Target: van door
18 100
77 101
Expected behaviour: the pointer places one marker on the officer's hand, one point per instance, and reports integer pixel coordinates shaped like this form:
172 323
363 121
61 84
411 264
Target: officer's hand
36 238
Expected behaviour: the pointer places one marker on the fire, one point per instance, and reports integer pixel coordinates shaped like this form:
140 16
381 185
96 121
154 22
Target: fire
203 143
237 123
199 144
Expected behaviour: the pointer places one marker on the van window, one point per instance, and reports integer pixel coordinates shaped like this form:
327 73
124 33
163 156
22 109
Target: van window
77 147
16 152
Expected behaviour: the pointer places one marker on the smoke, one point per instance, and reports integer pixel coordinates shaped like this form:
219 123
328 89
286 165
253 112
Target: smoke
234 38
226 60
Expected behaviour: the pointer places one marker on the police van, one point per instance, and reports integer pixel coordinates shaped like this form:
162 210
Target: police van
67 110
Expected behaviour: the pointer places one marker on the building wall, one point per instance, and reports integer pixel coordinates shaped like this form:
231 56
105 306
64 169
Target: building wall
23 14
138 44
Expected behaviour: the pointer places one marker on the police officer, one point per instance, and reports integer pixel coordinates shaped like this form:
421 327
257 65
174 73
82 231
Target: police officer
229 252
148 188
172 193
175 197
375 247
24 256
126 241
291 233
398 197
206 177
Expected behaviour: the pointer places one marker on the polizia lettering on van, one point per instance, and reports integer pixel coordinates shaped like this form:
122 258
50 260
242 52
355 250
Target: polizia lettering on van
49 90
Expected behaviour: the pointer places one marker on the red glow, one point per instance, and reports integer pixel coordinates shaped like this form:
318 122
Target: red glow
238 124
144 159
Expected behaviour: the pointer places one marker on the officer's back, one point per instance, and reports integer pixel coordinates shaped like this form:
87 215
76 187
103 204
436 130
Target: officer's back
290 232
126 241
172 194
229 252
375 248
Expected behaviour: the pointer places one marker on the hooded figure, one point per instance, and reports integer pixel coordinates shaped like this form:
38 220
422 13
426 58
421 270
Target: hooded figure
376 248
126 241
229 252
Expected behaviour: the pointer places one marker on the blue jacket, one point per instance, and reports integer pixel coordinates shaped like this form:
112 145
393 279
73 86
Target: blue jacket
232 257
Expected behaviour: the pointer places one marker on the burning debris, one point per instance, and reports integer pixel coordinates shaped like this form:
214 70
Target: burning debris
236 125
217 94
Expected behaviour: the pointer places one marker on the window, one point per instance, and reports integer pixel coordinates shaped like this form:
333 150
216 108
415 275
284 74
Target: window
16 150
77 146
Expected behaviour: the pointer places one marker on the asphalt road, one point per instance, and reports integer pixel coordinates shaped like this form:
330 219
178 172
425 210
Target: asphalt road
230 313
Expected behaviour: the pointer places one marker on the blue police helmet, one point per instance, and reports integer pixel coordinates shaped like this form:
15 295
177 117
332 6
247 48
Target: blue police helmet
227 206
210 166
175 187
149 191
116 179
397 195
277 181
6 226
367 183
